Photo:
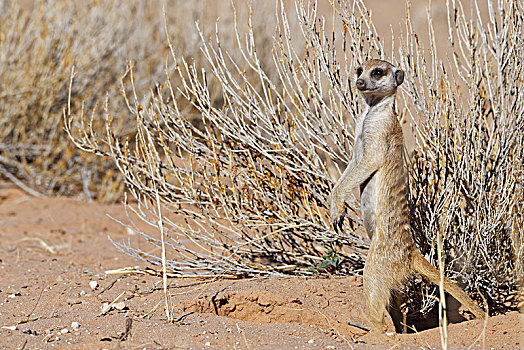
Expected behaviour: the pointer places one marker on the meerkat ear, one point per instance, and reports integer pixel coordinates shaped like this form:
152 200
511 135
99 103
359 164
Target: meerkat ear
399 76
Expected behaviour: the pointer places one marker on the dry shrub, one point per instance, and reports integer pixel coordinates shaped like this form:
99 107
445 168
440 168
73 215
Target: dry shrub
245 192
467 169
40 46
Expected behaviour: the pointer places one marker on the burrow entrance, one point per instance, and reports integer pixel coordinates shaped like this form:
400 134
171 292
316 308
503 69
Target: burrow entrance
267 307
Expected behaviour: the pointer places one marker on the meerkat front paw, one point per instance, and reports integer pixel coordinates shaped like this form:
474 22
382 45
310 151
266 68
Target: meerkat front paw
337 210
338 222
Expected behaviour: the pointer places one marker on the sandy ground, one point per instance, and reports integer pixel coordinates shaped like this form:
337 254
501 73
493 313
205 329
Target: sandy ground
52 248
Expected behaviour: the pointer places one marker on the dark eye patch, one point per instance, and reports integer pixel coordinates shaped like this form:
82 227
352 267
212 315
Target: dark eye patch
378 73
359 71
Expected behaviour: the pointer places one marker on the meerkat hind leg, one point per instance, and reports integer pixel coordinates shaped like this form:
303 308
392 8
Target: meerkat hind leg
422 266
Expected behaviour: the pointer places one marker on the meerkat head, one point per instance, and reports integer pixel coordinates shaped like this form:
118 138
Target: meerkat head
377 79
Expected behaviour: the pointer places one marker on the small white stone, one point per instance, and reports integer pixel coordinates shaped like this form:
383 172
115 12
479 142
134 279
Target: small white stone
389 334
75 325
93 284
11 296
64 330
104 306
120 305
311 341
207 344
11 328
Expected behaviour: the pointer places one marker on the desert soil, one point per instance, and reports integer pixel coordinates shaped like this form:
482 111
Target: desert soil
51 249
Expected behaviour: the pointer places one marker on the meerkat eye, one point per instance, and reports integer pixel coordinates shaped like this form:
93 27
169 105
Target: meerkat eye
378 73
359 71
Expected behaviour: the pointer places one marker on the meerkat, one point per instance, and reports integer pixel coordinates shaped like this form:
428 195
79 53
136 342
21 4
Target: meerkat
379 168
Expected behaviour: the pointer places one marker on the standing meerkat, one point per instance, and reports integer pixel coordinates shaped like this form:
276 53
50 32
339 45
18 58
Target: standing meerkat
378 167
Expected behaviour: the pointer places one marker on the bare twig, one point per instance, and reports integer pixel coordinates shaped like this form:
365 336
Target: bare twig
108 306
245 189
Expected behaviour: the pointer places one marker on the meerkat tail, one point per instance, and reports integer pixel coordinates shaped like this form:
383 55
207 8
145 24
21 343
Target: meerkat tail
422 266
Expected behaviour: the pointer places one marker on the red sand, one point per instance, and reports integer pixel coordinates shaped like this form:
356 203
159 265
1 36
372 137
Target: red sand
45 290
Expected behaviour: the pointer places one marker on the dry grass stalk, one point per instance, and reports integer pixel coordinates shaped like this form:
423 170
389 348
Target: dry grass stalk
442 309
164 268
245 191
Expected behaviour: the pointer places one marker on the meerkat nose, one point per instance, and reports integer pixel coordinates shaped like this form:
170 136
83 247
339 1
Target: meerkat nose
361 84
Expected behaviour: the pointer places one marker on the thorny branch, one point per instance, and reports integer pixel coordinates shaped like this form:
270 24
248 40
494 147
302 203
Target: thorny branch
246 189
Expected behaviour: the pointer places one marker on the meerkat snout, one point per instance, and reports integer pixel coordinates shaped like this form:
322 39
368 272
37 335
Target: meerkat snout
361 84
